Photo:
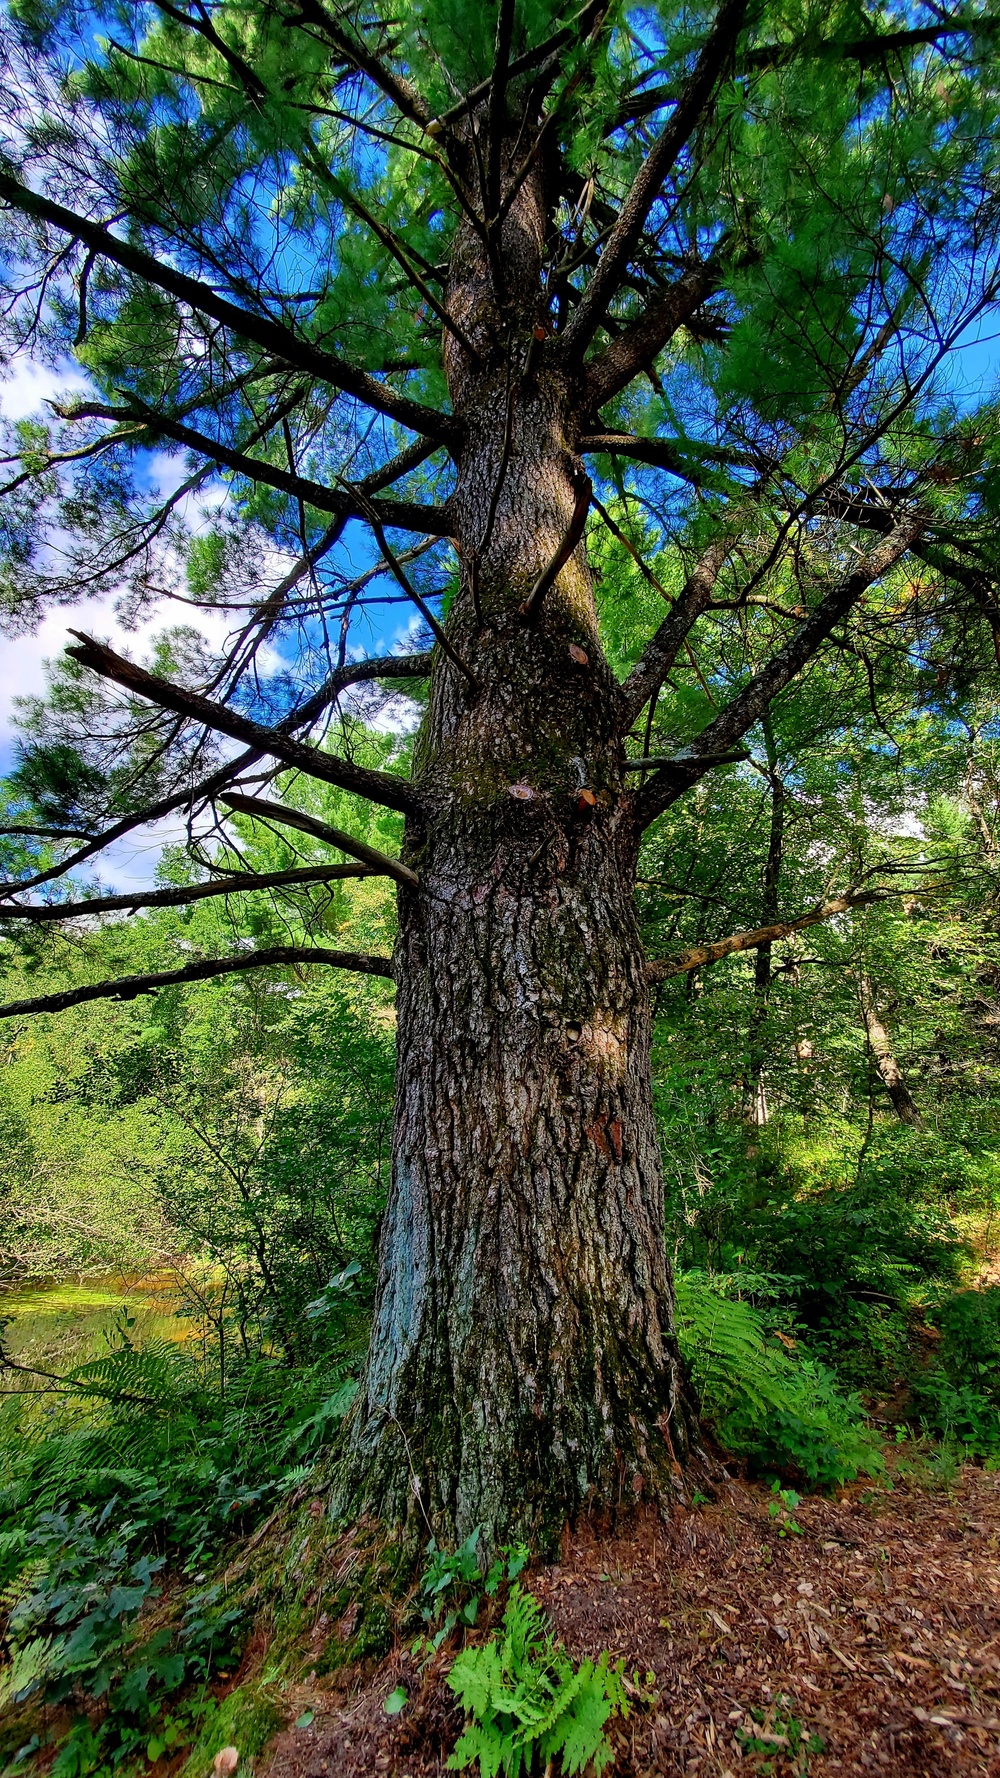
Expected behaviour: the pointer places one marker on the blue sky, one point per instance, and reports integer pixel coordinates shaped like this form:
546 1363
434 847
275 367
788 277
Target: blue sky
376 628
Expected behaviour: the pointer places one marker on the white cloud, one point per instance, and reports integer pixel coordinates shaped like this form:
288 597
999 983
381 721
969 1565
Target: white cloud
28 384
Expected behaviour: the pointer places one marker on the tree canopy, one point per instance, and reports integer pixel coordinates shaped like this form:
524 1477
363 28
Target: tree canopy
770 235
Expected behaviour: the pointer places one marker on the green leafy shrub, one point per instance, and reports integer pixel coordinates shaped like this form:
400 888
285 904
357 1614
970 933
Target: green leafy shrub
780 1412
160 1468
73 1589
959 1413
529 1704
453 1584
956 1394
970 1328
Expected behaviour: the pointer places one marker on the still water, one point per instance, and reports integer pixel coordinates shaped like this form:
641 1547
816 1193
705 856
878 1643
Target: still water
60 1323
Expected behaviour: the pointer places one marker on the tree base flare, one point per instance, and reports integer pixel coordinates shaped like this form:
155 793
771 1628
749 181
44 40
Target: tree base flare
419 1482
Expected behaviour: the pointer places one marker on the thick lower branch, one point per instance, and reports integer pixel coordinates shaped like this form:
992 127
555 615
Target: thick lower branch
378 863
699 956
661 651
645 338
130 987
378 787
239 883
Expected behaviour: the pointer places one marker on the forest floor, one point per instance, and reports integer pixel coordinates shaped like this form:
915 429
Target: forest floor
874 1629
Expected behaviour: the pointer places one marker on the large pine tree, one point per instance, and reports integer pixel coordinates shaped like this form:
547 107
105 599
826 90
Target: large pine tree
512 292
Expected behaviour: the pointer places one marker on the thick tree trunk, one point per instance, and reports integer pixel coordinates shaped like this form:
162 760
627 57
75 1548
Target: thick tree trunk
523 1363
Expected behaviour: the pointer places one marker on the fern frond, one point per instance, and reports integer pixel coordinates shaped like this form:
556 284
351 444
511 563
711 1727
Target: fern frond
19 1588
157 1372
527 1699
32 1664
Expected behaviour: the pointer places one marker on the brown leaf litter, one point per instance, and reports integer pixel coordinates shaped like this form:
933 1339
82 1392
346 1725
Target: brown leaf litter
876 1631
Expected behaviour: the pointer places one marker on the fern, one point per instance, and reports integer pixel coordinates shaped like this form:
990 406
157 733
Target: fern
529 1704
781 1412
724 1344
153 1375
32 1663
14 1591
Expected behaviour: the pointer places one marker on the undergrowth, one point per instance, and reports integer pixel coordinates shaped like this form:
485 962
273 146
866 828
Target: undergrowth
529 1704
119 1503
777 1410
117 1506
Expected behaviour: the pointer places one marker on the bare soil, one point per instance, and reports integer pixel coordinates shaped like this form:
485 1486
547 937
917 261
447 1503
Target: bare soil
874 1630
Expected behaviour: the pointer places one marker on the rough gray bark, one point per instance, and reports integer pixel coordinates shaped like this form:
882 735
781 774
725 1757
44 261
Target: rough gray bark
759 1108
880 1044
523 1362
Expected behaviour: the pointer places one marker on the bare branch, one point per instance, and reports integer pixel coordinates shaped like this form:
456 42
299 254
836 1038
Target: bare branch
400 576
379 787
647 764
870 48
129 987
621 537
698 956
663 453
239 883
648 183
660 652
356 52
403 514
249 80
409 666
687 766
638 345
877 515
864 50
48 833
379 863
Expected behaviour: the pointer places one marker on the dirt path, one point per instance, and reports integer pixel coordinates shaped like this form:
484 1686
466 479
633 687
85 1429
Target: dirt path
875 1631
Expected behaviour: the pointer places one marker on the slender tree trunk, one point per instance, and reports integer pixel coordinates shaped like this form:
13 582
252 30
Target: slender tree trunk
523 1362
758 1108
882 1053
